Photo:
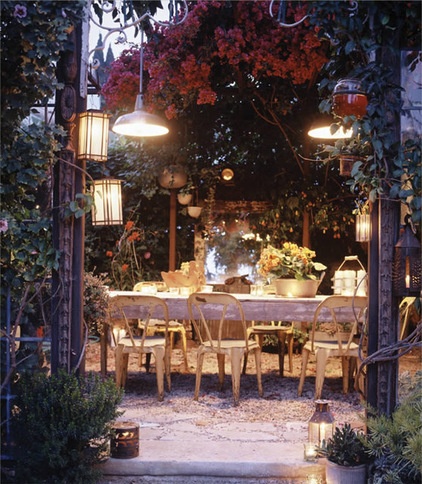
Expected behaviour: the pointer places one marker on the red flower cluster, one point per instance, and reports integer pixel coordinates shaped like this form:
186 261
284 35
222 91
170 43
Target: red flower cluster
191 61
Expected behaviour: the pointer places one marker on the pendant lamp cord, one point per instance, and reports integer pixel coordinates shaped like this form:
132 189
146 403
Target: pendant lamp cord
141 61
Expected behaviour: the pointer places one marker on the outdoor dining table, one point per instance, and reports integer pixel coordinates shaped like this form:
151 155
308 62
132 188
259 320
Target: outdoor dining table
264 308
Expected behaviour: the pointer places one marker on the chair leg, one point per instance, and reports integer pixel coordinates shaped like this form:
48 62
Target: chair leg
199 364
245 363
281 336
118 365
221 372
236 355
290 342
159 365
321 356
185 348
167 367
305 357
147 361
258 371
345 366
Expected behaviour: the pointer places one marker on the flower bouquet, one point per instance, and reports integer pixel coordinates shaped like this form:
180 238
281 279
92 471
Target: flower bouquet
289 262
294 272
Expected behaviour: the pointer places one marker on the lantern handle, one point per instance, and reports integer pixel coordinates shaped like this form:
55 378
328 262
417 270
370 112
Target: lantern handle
349 258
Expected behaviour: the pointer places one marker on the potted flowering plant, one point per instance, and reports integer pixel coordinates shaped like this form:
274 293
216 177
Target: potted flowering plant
292 269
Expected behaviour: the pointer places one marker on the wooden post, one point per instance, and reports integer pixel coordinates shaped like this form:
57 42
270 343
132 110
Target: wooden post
68 232
172 230
382 377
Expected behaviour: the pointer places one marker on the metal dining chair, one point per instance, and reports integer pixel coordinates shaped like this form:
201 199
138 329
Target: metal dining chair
174 327
334 340
284 335
210 314
140 308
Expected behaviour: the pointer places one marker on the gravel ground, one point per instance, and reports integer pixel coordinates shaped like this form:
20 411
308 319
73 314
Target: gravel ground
279 404
280 401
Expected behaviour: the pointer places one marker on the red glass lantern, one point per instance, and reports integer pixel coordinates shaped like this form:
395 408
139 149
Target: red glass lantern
349 99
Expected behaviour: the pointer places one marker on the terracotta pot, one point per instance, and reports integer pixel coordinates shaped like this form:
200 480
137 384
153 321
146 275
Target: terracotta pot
194 212
184 198
296 288
336 474
173 177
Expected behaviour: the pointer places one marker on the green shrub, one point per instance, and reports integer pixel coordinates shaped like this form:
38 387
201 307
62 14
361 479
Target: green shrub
95 302
396 442
62 426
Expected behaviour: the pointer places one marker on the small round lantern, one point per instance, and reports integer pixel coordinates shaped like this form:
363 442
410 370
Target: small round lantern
321 424
349 99
125 440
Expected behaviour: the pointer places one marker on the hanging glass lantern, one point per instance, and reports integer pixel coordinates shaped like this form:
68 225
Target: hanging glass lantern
321 424
363 227
349 99
407 265
107 208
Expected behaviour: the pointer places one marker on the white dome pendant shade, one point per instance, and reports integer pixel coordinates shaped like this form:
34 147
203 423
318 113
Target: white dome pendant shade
140 123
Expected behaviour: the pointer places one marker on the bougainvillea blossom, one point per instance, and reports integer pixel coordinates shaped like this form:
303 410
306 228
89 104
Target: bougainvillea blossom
220 45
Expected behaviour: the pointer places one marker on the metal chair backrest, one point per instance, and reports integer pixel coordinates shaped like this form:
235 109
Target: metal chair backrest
221 308
142 308
335 304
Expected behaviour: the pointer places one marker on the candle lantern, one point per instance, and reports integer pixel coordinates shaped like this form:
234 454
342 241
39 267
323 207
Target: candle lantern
93 135
407 266
349 99
363 227
350 278
321 424
107 209
125 440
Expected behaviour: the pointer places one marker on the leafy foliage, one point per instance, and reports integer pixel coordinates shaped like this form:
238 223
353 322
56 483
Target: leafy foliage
33 34
95 302
63 425
363 41
346 447
395 442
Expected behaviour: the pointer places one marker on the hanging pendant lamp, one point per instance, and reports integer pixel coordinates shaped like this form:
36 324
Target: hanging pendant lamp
325 128
140 122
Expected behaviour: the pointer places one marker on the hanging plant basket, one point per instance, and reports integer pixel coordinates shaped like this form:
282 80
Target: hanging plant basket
194 212
173 177
184 198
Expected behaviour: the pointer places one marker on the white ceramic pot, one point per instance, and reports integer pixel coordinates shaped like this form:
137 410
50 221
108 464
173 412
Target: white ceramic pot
194 212
336 474
184 198
296 288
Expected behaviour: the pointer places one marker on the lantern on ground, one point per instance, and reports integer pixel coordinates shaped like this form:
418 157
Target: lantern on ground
321 424
125 440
